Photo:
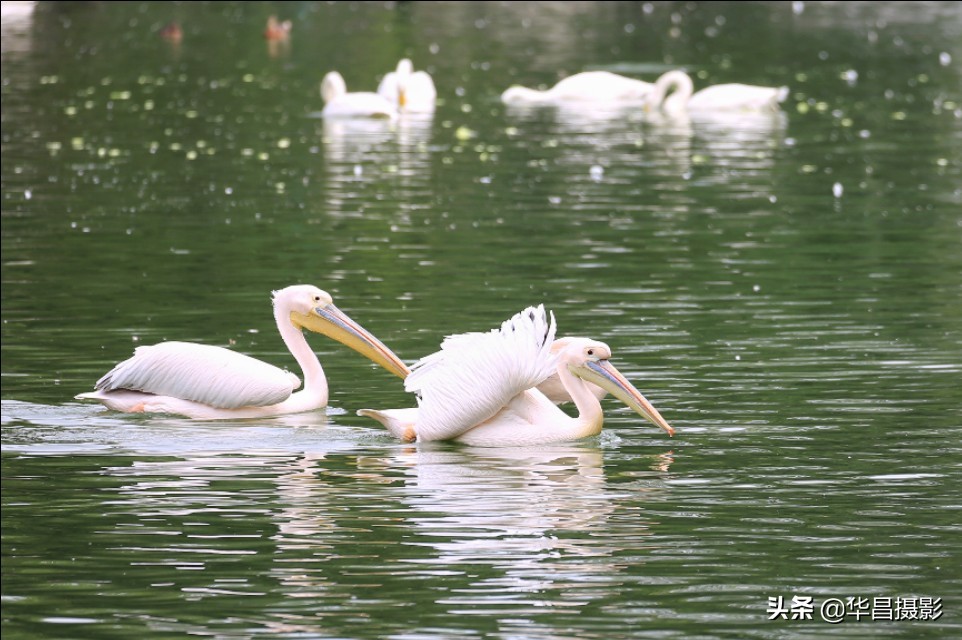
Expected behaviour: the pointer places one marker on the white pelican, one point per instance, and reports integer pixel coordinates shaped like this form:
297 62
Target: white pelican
479 388
205 382
409 90
588 86
720 97
338 103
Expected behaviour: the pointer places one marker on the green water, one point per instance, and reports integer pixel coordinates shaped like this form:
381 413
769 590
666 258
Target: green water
786 290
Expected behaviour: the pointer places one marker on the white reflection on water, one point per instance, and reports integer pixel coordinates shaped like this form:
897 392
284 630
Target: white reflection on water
358 149
607 153
539 517
74 428
16 22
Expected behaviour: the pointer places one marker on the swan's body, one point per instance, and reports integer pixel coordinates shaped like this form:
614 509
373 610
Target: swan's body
206 382
338 103
408 90
673 94
588 86
479 389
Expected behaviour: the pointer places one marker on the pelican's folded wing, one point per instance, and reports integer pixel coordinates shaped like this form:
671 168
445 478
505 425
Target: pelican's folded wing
214 376
475 375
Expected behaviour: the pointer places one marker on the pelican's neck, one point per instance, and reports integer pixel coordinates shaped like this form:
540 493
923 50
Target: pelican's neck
315 383
680 87
590 417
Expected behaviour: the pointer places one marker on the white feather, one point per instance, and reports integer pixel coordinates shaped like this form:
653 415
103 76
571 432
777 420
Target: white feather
738 97
589 86
419 92
732 97
212 376
338 103
475 375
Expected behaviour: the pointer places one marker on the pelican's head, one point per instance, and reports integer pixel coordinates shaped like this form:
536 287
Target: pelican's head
332 86
590 360
311 308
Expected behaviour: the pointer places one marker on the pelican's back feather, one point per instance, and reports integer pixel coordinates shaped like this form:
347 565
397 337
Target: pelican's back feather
214 376
475 375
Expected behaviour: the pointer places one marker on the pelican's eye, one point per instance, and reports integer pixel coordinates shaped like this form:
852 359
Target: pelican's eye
591 352
317 298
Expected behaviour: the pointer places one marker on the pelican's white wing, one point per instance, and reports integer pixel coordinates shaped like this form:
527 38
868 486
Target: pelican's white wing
475 375
213 376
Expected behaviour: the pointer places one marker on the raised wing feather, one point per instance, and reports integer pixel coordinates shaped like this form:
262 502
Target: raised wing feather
209 375
475 375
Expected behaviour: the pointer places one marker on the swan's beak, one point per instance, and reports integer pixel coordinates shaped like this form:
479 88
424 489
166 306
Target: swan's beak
402 98
604 374
334 323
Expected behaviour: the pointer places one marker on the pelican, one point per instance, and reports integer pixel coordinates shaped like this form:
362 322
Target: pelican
338 103
588 86
411 91
720 97
205 382
479 389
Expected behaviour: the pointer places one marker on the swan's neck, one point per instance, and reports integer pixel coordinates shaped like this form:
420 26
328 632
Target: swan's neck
524 95
590 417
333 86
315 383
672 91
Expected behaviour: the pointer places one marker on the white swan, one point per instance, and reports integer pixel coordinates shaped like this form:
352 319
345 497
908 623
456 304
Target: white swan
409 90
588 86
338 103
672 93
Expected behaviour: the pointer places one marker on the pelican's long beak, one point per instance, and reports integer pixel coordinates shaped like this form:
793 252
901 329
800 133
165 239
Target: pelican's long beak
604 374
334 323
